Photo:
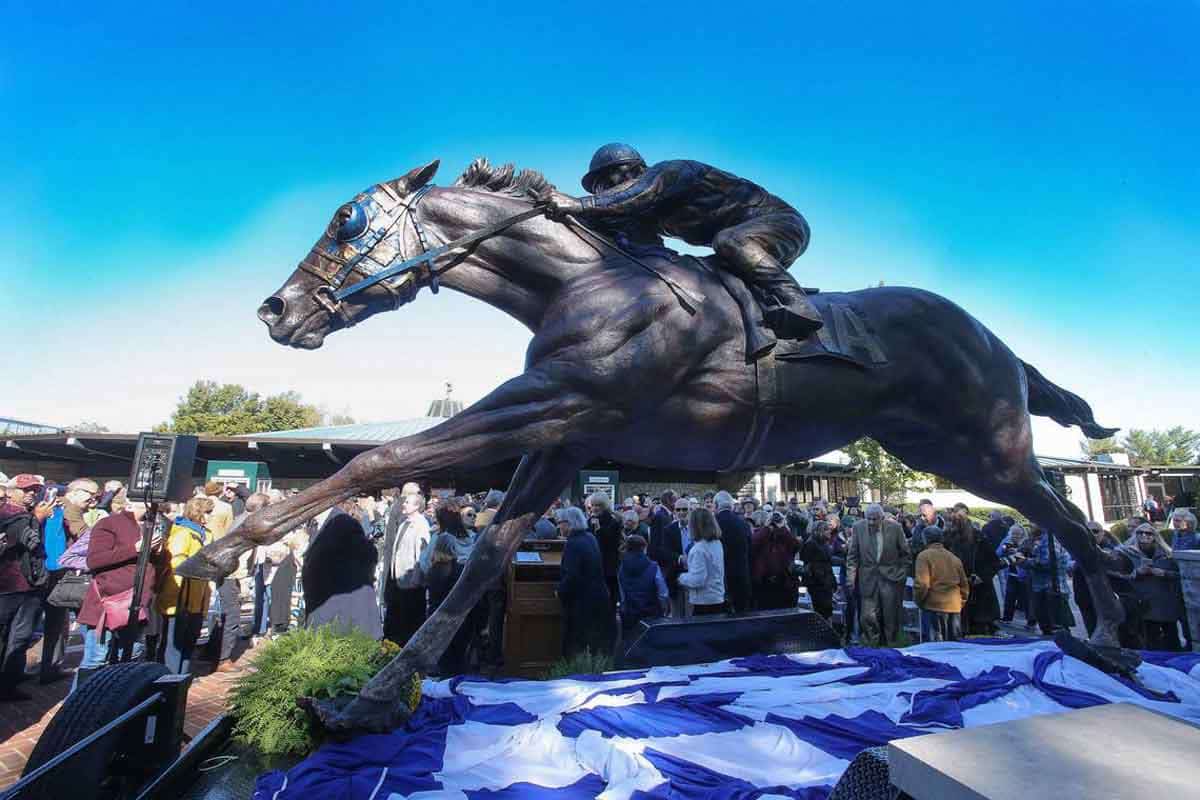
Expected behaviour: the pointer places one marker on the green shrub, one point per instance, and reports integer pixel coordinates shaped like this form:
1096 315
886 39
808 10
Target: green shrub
304 663
585 663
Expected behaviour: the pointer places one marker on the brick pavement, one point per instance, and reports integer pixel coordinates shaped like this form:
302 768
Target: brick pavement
21 723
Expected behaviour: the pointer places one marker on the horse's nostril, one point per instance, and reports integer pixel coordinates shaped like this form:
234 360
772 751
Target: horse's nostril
272 309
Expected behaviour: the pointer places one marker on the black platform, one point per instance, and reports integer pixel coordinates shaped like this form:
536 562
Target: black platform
673 642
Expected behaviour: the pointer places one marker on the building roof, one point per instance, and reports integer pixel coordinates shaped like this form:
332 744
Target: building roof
17 427
1087 465
373 432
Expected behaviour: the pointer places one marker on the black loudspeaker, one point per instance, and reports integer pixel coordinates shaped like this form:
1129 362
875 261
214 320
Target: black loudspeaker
697 640
162 464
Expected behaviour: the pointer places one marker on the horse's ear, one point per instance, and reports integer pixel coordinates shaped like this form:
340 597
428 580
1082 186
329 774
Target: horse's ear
417 178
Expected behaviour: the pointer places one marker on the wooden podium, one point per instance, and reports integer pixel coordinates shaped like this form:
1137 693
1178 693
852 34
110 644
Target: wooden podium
533 624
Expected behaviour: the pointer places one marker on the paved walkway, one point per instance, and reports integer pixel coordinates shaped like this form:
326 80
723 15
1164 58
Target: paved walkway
21 723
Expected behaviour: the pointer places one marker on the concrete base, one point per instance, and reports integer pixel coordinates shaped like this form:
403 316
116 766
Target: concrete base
1189 574
1110 752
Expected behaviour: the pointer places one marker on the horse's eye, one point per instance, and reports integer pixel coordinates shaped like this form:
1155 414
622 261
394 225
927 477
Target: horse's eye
349 223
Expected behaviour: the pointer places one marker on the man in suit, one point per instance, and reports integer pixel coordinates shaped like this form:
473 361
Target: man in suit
735 541
668 549
877 561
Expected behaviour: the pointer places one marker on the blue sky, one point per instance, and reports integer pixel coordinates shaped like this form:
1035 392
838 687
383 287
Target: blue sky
165 167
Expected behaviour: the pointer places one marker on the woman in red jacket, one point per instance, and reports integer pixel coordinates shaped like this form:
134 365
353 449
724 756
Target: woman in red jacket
112 559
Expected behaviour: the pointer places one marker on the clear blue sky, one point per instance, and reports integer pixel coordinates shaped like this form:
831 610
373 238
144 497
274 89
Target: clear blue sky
1035 162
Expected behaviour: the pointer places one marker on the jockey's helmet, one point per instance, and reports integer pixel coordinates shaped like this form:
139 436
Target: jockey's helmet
610 155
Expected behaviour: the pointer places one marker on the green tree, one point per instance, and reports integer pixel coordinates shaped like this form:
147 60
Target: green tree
1090 448
1170 447
230 409
889 477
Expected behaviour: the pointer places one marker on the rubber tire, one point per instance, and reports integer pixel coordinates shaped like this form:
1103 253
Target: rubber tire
109 693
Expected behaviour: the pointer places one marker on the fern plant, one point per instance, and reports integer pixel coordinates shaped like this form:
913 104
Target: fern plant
307 662
585 663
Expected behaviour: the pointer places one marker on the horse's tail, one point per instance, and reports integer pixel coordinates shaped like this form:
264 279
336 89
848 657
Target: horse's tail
1046 399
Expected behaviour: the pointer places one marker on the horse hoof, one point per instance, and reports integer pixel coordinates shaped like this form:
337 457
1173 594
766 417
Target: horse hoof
343 718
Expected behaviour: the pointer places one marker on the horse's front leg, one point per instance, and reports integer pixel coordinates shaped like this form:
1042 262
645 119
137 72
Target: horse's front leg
382 704
526 414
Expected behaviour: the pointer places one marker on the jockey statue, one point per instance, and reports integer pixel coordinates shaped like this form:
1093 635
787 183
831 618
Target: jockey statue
756 235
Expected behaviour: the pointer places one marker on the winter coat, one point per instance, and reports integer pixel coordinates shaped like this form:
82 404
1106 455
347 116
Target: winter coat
177 594
583 592
1185 540
112 558
1039 567
55 539
608 537
22 559
818 567
917 542
940 582
735 544
640 579
1161 595
705 576
772 551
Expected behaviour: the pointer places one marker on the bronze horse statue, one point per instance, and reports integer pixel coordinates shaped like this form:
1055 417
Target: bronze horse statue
623 367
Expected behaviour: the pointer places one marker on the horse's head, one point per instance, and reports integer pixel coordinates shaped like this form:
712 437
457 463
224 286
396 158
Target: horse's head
364 237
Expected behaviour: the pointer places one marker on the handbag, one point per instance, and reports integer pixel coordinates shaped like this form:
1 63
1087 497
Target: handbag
70 590
114 611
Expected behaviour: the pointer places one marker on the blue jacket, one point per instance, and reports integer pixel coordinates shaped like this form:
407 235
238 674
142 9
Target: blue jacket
54 536
642 587
1040 568
1186 540
1016 570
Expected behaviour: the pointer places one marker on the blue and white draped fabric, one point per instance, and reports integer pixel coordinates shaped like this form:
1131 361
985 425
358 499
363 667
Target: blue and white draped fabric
761 727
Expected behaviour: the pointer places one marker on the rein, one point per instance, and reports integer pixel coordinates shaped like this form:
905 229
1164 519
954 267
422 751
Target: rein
331 295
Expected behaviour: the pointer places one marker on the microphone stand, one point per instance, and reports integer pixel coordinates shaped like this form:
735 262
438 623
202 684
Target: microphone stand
125 653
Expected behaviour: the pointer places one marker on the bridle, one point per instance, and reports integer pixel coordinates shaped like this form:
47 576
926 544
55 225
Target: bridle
382 214
391 213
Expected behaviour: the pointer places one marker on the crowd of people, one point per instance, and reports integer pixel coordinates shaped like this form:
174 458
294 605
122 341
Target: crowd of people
69 555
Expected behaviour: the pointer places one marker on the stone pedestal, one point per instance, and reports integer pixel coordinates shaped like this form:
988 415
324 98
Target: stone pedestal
1189 573
1110 752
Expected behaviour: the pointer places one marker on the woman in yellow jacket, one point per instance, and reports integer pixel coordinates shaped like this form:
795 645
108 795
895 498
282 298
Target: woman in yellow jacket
183 601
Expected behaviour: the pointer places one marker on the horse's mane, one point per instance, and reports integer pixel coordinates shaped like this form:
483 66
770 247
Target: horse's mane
504 179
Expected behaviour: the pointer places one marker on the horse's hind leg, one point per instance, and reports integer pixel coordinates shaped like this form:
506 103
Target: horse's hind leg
999 465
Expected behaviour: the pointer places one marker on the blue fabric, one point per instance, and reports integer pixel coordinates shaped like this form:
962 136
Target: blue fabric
585 788
1063 695
845 737
524 764
944 706
54 538
679 716
688 781
887 666
1184 662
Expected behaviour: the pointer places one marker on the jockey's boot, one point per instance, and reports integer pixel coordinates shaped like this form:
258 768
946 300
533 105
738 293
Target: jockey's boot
792 315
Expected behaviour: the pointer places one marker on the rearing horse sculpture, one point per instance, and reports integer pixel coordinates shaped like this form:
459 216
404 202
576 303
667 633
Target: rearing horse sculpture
620 368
